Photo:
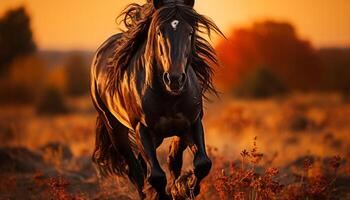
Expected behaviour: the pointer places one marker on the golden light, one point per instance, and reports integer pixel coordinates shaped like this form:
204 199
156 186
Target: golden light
85 24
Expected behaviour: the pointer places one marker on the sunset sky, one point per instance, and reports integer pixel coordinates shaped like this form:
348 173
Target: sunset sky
84 24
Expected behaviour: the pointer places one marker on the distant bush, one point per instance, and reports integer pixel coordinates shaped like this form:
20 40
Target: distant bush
77 76
24 81
51 102
336 62
57 78
261 83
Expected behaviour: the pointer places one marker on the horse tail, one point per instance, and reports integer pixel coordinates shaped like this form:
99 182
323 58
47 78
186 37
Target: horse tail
106 156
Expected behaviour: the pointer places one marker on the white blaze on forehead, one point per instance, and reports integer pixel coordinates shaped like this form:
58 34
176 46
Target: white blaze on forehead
174 24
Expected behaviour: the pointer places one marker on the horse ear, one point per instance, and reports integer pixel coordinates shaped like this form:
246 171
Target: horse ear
189 3
157 3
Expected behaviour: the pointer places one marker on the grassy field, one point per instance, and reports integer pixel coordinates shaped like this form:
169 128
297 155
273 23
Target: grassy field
293 147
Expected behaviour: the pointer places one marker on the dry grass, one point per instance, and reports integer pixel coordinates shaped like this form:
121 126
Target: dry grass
293 158
248 180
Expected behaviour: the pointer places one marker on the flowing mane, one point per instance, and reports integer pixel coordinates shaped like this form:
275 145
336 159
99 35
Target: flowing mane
141 22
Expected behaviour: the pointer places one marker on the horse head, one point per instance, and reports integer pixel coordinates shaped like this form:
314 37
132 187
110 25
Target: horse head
173 45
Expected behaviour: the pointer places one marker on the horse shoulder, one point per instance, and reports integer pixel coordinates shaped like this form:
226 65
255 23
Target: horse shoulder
102 98
102 55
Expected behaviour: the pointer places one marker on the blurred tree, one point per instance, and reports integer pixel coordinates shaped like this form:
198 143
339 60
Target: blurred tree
51 102
336 64
77 76
15 37
24 81
57 78
272 44
260 83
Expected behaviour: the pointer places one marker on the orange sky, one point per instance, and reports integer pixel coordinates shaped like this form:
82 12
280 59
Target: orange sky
84 24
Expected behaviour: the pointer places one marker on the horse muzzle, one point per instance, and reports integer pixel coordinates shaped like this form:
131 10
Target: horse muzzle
174 83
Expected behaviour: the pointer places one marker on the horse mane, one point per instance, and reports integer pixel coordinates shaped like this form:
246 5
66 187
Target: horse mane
141 22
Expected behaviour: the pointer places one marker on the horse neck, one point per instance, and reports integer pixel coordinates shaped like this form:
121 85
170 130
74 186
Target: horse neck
138 68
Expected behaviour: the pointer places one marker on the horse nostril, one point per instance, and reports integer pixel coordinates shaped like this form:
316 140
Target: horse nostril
182 78
166 78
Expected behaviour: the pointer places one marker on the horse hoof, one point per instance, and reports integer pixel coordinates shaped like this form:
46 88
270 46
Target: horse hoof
184 187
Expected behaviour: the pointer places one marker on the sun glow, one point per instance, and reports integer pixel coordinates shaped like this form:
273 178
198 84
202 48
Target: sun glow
85 24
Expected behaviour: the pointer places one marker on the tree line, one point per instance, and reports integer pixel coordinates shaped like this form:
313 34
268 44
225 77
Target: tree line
25 76
270 57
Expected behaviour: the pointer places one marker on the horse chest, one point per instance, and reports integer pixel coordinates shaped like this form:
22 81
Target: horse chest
172 125
170 118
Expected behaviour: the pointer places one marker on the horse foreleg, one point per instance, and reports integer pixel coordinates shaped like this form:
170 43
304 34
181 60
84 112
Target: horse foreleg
157 177
175 160
202 163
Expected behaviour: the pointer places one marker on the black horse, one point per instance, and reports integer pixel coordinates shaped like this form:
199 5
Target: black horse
147 84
